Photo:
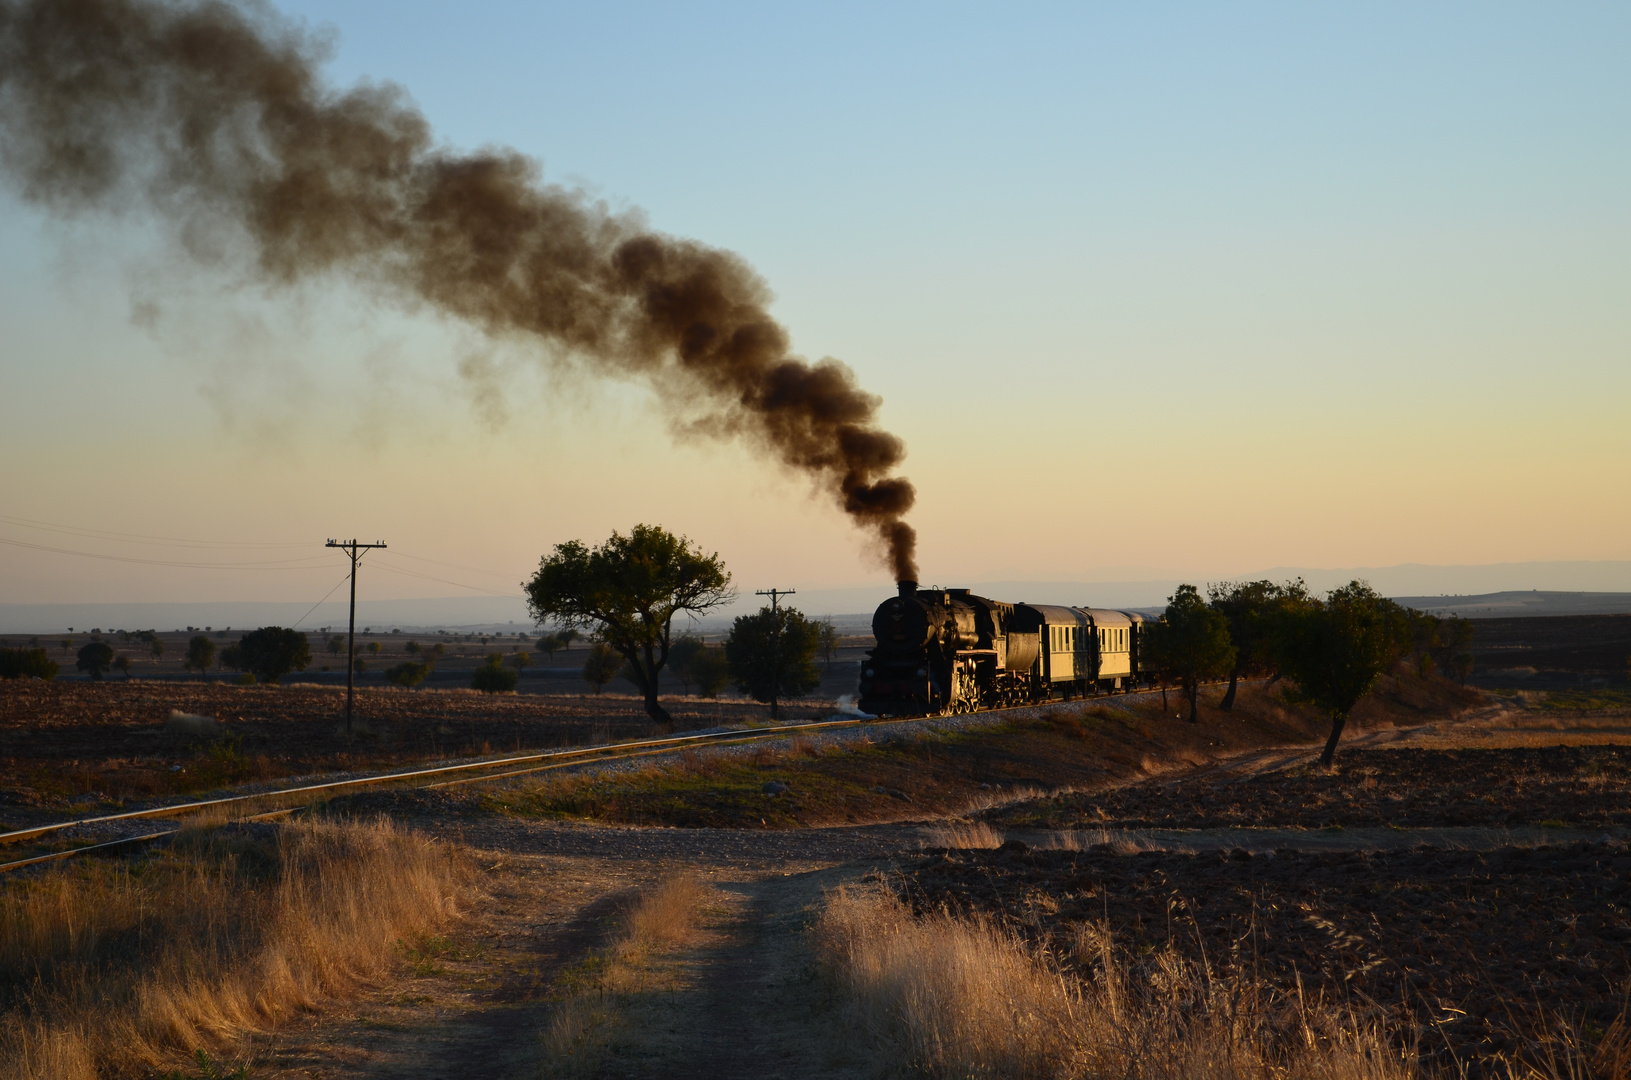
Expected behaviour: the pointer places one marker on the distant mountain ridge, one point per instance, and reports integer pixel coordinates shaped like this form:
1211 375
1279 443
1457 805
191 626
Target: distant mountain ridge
1535 588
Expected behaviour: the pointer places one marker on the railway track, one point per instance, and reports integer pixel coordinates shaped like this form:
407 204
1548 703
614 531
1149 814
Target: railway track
465 772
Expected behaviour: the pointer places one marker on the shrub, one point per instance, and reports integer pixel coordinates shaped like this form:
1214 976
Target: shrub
273 651
493 677
94 659
407 674
27 664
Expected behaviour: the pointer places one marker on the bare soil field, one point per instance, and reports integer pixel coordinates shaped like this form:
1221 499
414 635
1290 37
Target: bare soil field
1466 943
1405 787
1552 651
85 744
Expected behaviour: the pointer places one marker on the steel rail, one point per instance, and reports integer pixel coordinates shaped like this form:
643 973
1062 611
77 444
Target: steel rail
538 762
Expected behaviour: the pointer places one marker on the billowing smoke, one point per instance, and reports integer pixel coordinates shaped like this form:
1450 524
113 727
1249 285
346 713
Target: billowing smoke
207 112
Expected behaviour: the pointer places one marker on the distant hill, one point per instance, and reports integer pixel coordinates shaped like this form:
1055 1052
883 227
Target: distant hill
1534 602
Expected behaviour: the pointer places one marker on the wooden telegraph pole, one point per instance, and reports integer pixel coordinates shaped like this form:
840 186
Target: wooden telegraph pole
355 550
775 642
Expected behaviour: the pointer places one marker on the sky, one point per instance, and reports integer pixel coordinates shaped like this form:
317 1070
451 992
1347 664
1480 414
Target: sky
1150 291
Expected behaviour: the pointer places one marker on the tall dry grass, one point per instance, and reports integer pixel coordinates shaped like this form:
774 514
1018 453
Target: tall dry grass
120 969
592 994
964 997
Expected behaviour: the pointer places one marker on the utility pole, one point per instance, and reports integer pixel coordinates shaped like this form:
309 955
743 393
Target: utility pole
355 550
775 641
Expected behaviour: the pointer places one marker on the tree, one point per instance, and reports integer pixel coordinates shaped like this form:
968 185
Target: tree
373 648
492 677
602 665
711 670
200 655
1336 649
1190 641
437 651
520 660
408 673
67 644
158 649
233 657
411 648
94 659
629 589
121 664
336 645
1249 608
27 664
827 643
273 651
772 653
686 648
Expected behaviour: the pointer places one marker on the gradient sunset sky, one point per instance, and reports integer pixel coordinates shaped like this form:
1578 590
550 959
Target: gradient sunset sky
1152 290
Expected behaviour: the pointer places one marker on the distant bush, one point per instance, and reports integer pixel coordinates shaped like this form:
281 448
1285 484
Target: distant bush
407 673
94 659
602 666
27 664
493 677
273 651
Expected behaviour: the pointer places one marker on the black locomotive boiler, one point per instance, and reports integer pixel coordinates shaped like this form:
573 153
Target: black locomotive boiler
943 651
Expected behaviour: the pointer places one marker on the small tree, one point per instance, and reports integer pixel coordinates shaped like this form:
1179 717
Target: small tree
33 663
1249 609
233 657
408 673
94 659
411 648
686 648
336 645
492 677
200 655
601 666
67 644
711 670
827 643
772 654
273 651
1191 642
121 664
158 649
629 589
1336 649
519 660
437 651
373 648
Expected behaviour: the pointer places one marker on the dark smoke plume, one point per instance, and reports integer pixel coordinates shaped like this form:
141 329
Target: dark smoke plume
208 112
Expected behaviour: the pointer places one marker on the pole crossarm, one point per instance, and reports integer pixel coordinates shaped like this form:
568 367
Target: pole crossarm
775 642
355 550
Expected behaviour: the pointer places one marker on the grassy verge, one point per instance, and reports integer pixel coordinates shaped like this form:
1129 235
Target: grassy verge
126 969
950 996
904 773
593 996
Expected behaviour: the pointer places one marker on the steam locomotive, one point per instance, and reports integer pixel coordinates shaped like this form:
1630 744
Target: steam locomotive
943 651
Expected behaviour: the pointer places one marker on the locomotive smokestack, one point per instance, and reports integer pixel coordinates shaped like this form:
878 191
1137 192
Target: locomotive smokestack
908 589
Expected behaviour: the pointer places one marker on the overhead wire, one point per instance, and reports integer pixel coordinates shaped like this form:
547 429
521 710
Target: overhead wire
142 538
304 563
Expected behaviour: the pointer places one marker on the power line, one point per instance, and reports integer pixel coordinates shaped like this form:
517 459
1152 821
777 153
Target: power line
311 563
404 571
455 566
140 538
296 624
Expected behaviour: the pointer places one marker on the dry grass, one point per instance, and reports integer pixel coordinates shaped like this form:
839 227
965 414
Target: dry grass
120 970
962 834
593 993
963 997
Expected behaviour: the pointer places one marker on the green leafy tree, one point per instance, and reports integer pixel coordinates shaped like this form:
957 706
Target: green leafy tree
27 664
437 651
373 648
94 659
359 665
519 660
492 677
411 648
67 644
629 589
601 666
1250 609
121 664
158 649
336 644
200 654
711 671
686 648
273 651
1190 641
233 657
408 674
1336 649
772 654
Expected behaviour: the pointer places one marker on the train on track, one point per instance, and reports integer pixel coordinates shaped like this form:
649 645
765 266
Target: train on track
945 651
